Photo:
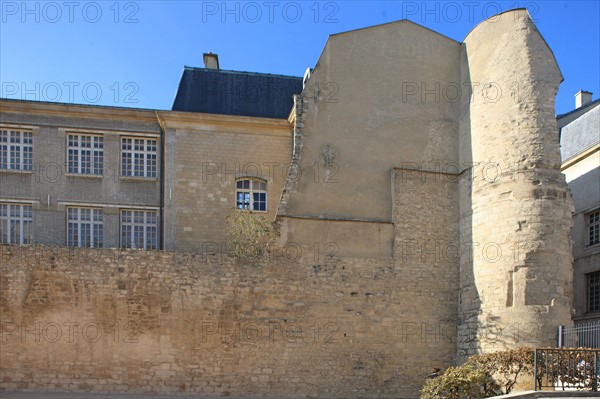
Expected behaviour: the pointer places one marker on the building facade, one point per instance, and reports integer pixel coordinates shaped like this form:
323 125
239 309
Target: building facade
417 180
106 177
80 176
580 151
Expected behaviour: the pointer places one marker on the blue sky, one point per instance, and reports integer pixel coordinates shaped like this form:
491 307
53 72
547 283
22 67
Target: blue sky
132 53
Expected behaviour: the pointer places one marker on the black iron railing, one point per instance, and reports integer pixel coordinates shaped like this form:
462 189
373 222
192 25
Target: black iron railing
581 335
563 369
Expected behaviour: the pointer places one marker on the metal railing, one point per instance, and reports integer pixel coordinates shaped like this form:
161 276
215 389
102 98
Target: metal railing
566 369
582 335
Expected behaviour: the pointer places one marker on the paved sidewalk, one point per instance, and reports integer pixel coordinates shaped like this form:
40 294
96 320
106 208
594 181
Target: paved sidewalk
58 395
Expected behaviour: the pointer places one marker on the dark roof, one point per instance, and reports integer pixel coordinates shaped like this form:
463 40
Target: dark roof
566 118
217 91
582 108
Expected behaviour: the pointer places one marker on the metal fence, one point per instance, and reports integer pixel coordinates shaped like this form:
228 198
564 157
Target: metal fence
566 369
582 335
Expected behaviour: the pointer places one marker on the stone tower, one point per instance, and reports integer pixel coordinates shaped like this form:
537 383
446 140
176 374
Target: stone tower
515 208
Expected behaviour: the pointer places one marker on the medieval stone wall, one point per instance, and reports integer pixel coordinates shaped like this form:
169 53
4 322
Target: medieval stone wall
146 321
515 205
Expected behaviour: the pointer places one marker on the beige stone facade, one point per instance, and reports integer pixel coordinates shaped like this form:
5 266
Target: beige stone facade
49 187
423 218
468 136
580 150
205 155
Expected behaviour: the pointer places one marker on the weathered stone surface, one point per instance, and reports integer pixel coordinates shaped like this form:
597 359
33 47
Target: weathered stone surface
143 321
515 205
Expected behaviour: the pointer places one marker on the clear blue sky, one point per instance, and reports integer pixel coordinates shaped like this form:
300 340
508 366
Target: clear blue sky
132 53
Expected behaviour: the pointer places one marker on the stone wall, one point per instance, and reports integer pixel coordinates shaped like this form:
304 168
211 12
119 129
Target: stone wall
515 205
143 321
204 155
364 113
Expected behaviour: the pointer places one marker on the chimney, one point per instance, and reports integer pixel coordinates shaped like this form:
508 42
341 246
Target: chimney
582 98
211 61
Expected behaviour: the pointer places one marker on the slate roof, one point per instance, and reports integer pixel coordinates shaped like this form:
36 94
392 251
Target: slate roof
570 116
218 91
581 133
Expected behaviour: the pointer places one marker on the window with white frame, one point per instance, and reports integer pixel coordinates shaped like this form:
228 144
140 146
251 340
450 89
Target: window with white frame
85 227
251 194
16 224
593 291
138 157
16 150
593 219
85 154
139 229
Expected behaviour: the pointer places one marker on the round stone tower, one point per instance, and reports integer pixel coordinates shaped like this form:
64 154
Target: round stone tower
516 263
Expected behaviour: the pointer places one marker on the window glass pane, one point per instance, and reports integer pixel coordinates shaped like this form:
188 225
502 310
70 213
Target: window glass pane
27 157
16 224
15 211
4 226
151 238
84 227
80 156
126 162
139 229
243 200
138 157
125 236
27 231
98 235
593 292
15 157
3 156
594 228
251 194
15 231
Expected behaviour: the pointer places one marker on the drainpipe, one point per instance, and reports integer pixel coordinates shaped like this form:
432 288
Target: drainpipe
561 332
162 183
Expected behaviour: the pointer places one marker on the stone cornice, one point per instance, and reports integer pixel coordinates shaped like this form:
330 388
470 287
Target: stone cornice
223 123
76 110
579 156
166 119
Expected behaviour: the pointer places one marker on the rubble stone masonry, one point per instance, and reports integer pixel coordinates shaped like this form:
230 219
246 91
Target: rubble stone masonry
149 321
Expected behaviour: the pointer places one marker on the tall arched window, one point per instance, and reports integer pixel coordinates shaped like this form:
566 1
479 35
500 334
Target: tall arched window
251 194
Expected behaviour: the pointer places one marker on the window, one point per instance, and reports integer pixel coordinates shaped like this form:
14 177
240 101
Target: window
251 194
16 222
85 227
593 291
139 229
16 150
85 154
138 157
593 228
